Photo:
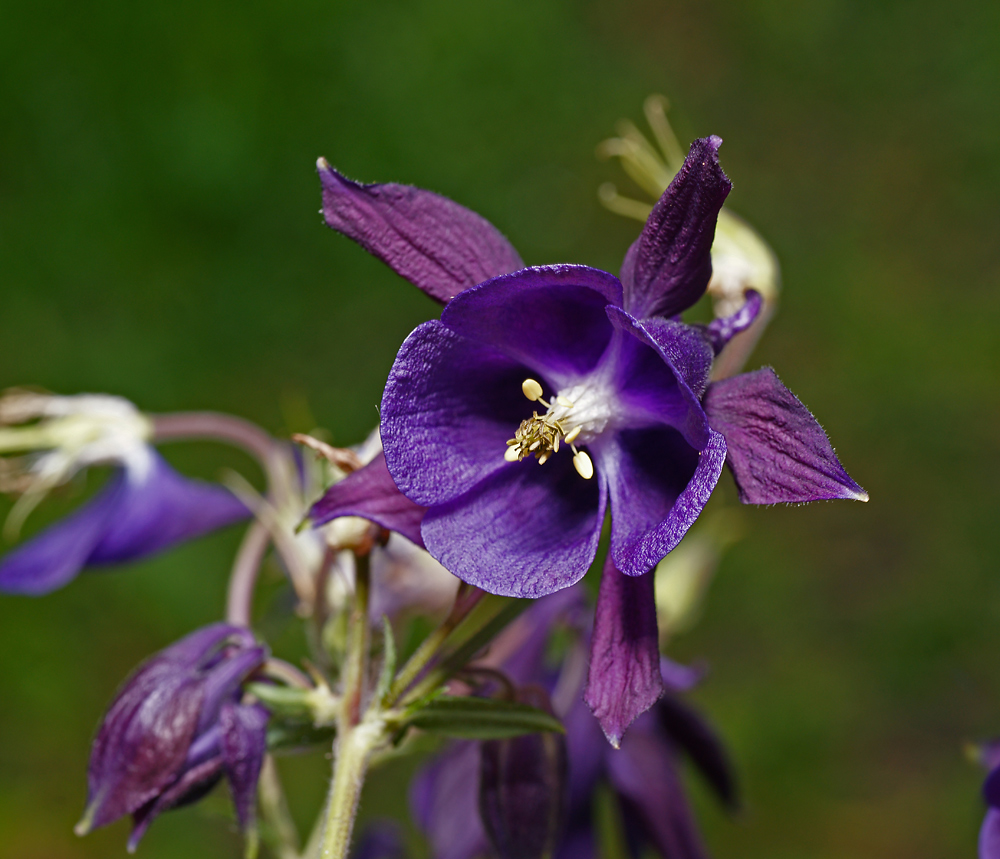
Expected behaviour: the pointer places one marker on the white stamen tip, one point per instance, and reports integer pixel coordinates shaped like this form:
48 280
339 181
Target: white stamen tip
572 434
532 390
583 465
511 454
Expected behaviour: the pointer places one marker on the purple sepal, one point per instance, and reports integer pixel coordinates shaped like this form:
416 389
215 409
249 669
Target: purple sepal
381 839
721 331
644 775
436 244
680 678
130 518
371 494
624 678
523 789
668 267
989 836
777 450
162 742
244 741
991 788
687 729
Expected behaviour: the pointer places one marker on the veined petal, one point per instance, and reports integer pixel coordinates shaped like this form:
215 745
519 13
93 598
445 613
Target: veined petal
624 679
778 452
550 318
371 493
659 486
644 775
645 388
162 509
54 556
668 267
526 531
449 406
436 244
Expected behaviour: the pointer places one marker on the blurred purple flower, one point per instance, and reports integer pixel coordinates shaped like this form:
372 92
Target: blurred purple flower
629 395
145 507
175 728
989 834
643 774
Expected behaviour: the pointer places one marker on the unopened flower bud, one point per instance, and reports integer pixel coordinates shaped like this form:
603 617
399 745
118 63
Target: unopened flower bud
523 789
175 728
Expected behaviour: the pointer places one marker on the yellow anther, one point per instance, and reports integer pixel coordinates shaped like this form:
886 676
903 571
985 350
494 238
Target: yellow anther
532 390
535 445
564 402
572 434
512 454
544 457
555 445
583 465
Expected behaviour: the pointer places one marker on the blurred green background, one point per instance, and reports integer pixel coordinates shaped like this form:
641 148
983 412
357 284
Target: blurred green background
159 239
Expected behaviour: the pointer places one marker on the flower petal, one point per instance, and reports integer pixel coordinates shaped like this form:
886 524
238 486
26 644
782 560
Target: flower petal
525 531
624 679
645 388
778 452
550 318
669 266
436 244
162 509
54 556
721 331
444 799
243 747
449 406
989 836
370 493
659 486
688 730
644 775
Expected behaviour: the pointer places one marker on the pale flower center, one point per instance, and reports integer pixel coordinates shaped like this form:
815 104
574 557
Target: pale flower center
577 414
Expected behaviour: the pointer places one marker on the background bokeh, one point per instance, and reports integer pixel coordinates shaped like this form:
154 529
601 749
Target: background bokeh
159 239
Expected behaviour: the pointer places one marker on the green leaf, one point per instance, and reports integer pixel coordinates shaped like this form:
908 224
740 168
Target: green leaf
479 718
283 700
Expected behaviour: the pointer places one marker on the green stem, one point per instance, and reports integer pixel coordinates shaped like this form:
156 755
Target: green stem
284 838
359 645
353 752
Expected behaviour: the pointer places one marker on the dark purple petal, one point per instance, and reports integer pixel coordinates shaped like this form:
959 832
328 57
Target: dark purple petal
436 244
644 387
659 486
142 742
991 788
523 789
371 493
778 452
163 509
669 266
989 836
624 678
526 531
444 798
680 678
243 747
54 556
527 663
549 318
381 839
644 775
190 787
578 842
721 331
222 682
688 730
449 407
199 647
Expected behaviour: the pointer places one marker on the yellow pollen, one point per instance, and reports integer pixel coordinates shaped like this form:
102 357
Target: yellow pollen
583 465
532 390
572 434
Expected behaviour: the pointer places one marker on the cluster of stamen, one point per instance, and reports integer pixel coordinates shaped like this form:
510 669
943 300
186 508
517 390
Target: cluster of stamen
541 435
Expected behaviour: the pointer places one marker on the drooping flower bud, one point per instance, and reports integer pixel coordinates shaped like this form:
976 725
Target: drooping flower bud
523 789
175 728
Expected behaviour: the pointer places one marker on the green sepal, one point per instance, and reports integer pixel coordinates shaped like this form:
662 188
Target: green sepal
284 700
479 718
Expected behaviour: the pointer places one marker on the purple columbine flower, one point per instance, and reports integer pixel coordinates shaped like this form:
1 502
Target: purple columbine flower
144 508
176 727
595 379
643 774
989 834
